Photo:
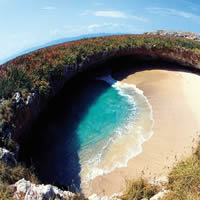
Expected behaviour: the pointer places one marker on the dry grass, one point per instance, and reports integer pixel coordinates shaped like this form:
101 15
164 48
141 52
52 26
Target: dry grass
139 189
10 175
4 192
184 179
183 184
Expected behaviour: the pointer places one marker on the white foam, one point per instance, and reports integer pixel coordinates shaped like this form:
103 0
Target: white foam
129 91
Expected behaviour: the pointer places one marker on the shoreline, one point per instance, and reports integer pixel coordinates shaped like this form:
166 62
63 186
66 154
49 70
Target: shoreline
124 144
176 92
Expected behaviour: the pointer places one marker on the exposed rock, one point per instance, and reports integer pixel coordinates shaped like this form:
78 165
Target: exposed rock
160 195
1 101
18 100
115 196
29 100
94 197
188 35
25 114
28 191
7 157
17 97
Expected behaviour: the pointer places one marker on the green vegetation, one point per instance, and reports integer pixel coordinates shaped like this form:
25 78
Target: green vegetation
6 114
41 70
14 80
5 194
10 175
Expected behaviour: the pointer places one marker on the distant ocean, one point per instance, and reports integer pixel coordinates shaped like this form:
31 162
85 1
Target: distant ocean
102 129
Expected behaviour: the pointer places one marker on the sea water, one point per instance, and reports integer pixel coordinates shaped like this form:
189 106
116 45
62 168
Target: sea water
104 126
125 123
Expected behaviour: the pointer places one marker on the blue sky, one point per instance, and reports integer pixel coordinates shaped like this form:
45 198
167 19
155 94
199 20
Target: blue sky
27 23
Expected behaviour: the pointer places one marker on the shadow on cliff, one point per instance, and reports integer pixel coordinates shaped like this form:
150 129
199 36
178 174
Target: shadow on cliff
124 66
54 144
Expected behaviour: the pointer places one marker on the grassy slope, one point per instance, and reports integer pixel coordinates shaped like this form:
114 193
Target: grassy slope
184 179
183 183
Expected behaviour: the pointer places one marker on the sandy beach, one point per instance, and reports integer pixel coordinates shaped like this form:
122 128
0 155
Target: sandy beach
175 97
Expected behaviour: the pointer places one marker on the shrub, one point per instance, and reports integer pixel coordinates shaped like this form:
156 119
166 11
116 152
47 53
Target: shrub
139 189
9 144
43 88
24 72
4 192
184 179
6 114
14 80
10 175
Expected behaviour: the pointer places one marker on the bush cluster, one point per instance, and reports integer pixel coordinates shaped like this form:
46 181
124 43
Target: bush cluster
39 68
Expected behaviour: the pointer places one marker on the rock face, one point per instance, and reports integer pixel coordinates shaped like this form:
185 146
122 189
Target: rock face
7 157
26 111
188 35
28 191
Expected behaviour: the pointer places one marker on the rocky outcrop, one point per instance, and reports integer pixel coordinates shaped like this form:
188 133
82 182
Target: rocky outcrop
7 157
27 111
115 196
188 35
24 190
160 195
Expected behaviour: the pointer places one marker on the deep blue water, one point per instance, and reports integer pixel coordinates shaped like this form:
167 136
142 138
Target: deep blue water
74 130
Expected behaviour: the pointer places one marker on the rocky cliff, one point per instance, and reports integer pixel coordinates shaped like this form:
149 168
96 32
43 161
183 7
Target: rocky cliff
182 34
49 70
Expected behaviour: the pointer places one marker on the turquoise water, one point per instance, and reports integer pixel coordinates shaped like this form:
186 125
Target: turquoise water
91 130
105 115
100 127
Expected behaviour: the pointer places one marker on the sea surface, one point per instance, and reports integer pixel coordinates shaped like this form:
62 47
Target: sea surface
98 130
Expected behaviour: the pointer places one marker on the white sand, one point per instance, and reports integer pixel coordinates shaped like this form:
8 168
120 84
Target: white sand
175 99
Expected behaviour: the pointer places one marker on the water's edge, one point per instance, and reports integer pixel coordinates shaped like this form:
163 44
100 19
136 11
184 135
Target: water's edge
136 137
